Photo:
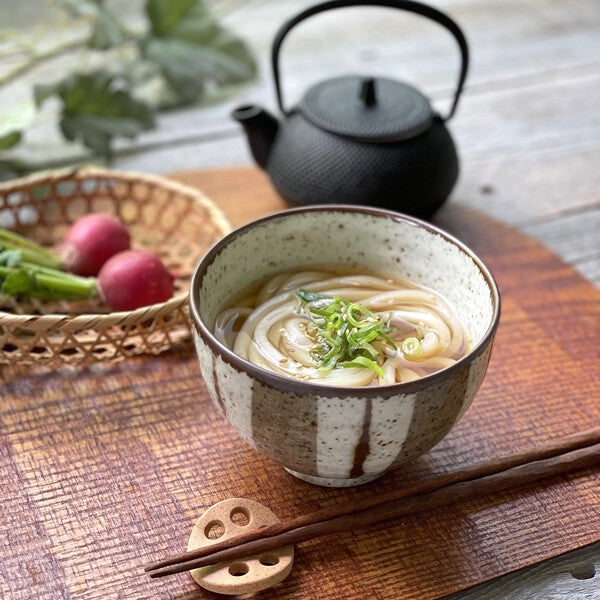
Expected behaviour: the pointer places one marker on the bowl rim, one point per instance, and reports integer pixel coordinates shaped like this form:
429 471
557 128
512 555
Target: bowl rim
303 388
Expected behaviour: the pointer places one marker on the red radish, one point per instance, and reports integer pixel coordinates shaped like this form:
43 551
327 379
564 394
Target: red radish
91 241
134 278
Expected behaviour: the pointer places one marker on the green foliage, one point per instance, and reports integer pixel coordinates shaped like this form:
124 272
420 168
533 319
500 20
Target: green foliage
182 50
13 121
15 248
10 139
29 270
191 48
15 282
11 258
95 109
166 15
107 30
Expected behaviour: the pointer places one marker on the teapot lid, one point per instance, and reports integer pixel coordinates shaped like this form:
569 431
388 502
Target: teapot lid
367 109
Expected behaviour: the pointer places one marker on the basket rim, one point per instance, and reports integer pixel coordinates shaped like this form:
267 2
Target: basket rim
121 317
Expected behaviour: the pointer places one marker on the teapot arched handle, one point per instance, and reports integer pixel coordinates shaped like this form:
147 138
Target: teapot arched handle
406 5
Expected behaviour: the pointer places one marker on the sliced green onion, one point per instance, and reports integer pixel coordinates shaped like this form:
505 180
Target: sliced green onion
387 339
411 348
362 361
308 296
344 332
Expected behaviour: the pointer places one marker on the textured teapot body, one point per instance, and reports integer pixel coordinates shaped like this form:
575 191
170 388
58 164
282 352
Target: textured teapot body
310 166
358 139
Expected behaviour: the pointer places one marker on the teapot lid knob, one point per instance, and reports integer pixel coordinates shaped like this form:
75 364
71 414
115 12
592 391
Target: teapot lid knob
367 92
367 109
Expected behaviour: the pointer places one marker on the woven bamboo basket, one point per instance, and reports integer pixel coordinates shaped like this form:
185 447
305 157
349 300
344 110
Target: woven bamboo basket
175 222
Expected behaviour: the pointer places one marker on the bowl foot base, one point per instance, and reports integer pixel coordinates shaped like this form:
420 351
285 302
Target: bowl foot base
333 482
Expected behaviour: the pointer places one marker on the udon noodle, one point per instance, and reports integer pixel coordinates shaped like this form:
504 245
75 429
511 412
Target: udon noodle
343 330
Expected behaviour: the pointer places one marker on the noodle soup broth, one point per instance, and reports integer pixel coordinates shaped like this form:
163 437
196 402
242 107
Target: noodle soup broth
338 327
342 341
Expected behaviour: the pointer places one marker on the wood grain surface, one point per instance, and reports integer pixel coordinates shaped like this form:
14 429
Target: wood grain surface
106 469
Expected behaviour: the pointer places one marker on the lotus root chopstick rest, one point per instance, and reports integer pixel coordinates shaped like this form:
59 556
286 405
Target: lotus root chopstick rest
229 518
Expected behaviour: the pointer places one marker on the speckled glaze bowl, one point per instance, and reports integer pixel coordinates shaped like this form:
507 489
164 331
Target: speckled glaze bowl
342 436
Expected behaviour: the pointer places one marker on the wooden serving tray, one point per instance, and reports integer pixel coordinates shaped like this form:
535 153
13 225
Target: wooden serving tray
106 469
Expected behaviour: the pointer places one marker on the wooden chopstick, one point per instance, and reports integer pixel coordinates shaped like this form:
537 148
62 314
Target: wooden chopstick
578 451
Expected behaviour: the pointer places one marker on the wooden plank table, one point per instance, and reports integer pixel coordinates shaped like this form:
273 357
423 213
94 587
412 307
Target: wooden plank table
528 131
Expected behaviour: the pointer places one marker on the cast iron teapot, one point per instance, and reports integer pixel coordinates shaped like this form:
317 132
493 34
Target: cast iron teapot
356 139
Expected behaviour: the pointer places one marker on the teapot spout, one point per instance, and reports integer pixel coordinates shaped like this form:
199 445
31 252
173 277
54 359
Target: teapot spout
260 127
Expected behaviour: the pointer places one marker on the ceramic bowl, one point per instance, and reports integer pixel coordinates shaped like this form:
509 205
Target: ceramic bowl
329 435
